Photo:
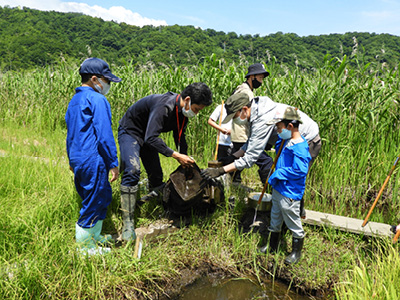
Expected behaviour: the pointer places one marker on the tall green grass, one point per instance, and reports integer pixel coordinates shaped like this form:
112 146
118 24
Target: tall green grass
358 119
376 280
356 106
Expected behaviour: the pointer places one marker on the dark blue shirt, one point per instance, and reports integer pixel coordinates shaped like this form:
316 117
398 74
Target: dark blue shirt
152 115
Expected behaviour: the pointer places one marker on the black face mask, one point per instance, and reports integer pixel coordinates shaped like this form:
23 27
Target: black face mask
255 83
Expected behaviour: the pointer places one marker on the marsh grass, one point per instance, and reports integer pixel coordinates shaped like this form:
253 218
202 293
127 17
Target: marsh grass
37 216
375 278
355 104
358 119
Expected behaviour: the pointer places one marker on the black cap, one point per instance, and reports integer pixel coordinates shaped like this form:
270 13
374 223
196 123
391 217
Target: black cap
257 69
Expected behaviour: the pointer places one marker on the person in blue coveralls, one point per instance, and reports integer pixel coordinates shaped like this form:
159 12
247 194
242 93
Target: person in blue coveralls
92 150
138 138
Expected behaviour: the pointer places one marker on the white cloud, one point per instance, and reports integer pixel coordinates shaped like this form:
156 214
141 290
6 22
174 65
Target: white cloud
114 13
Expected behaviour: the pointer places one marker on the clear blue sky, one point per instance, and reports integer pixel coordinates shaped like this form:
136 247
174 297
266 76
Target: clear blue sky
263 17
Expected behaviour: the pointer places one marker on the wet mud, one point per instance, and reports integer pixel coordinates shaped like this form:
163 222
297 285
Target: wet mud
211 278
190 278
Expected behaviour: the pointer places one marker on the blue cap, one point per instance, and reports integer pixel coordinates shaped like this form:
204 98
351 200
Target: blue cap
97 66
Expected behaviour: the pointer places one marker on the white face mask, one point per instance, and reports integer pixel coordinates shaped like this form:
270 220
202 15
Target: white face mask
105 89
240 121
188 113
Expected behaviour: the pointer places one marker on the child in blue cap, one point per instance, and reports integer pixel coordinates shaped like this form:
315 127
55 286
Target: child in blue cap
92 151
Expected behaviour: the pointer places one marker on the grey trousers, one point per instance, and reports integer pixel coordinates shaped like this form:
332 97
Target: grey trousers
286 210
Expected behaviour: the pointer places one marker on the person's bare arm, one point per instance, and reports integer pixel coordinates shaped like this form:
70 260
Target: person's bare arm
214 124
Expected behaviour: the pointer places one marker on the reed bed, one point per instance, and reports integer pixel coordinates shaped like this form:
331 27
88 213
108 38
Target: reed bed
376 280
355 104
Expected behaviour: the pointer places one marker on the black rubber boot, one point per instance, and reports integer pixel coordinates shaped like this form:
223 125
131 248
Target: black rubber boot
237 178
294 257
155 193
302 210
272 244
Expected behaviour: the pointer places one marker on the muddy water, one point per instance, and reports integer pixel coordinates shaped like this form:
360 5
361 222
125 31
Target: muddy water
236 289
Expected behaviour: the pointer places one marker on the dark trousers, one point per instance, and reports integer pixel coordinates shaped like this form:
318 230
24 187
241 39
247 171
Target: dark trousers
264 163
130 154
224 151
236 175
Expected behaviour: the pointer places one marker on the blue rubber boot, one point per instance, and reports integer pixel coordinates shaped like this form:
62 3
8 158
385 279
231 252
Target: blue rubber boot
84 237
101 239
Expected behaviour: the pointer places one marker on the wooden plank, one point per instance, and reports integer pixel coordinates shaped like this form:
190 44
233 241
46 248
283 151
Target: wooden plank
159 227
347 224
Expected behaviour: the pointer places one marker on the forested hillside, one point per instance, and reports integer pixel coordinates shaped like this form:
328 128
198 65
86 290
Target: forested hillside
31 38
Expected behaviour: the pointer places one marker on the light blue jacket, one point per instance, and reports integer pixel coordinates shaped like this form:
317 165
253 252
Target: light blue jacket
291 169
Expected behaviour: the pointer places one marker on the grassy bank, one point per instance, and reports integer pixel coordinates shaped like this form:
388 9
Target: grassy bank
37 251
359 122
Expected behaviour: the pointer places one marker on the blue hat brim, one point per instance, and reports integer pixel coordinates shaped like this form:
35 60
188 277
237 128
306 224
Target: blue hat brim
112 77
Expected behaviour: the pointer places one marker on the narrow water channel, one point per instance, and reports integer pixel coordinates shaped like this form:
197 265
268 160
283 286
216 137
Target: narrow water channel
236 289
